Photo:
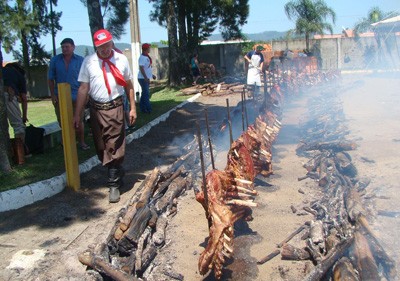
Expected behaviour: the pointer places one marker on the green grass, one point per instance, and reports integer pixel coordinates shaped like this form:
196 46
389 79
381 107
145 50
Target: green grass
40 112
51 162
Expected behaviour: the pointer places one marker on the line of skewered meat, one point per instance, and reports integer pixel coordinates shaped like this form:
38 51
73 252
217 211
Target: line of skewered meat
231 192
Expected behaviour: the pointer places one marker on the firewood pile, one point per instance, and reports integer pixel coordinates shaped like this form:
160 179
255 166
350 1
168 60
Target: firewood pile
215 89
339 239
139 230
208 71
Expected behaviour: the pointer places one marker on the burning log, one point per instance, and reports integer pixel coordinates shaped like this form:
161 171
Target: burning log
175 189
128 264
269 257
159 235
320 270
89 259
165 184
382 257
334 146
344 164
147 188
297 231
340 210
140 247
191 91
148 256
365 260
211 89
290 252
344 270
130 237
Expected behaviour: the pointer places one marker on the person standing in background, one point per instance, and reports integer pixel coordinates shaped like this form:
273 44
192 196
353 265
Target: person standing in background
105 77
144 77
15 92
64 68
195 69
256 60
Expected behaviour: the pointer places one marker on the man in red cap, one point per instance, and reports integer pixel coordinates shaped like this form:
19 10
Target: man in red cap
105 76
144 77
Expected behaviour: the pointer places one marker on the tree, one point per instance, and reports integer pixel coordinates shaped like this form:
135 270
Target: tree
310 17
5 33
381 35
374 15
28 21
195 21
4 136
116 13
25 21
173 75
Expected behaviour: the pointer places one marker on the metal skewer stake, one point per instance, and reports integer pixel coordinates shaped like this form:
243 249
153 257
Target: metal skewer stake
203 172
245 109
229 122
209 140
243 93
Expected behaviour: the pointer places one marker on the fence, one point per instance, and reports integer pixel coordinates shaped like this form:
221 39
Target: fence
331 53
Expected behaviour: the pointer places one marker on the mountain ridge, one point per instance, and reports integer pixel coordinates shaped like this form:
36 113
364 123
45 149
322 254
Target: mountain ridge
84 50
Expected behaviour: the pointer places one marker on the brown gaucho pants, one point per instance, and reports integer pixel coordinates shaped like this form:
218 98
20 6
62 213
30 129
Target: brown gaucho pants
108 131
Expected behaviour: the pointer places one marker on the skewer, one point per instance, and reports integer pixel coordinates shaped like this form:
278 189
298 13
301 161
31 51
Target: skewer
243 93
209 140
245 107
229 122
203 172
265 88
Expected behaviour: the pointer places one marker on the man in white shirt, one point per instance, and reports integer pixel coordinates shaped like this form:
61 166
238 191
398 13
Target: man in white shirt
144 77
103 77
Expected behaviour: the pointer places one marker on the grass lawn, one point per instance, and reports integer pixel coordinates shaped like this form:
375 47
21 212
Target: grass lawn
51 162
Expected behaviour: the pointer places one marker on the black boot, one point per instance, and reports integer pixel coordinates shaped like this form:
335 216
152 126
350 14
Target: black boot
114 182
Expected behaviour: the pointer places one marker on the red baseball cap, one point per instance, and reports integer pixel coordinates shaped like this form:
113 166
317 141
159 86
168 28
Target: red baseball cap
101 37
145 46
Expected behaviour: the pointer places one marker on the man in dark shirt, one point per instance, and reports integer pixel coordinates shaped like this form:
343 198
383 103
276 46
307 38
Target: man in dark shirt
15 92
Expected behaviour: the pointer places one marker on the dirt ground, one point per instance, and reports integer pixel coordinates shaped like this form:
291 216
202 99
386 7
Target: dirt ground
41 242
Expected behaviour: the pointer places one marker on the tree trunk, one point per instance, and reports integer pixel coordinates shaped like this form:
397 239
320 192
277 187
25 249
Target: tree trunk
26 61
173 53
4 136
183 40
95 16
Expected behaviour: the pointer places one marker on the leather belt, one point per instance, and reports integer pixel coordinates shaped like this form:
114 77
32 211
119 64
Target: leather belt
106 106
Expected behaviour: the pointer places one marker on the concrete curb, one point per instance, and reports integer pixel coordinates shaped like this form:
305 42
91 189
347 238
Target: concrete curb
31 193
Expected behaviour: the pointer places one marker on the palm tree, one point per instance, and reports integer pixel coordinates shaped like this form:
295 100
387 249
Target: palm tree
374 15
381 35
310 17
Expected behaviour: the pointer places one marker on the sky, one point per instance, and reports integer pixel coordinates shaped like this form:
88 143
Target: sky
265 15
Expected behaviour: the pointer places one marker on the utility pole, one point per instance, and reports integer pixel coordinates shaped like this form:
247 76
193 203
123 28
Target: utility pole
135 45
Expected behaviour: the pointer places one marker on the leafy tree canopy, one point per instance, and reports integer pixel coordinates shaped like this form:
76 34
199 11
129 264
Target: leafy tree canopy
375 14
311 17
115 14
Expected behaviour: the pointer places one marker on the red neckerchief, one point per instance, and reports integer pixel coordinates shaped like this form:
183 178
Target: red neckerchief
119 79
147 55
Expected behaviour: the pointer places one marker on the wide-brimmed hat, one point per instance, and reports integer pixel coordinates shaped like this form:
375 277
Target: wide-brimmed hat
101 37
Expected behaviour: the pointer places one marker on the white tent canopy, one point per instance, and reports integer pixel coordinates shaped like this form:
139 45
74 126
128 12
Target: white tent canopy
391 24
